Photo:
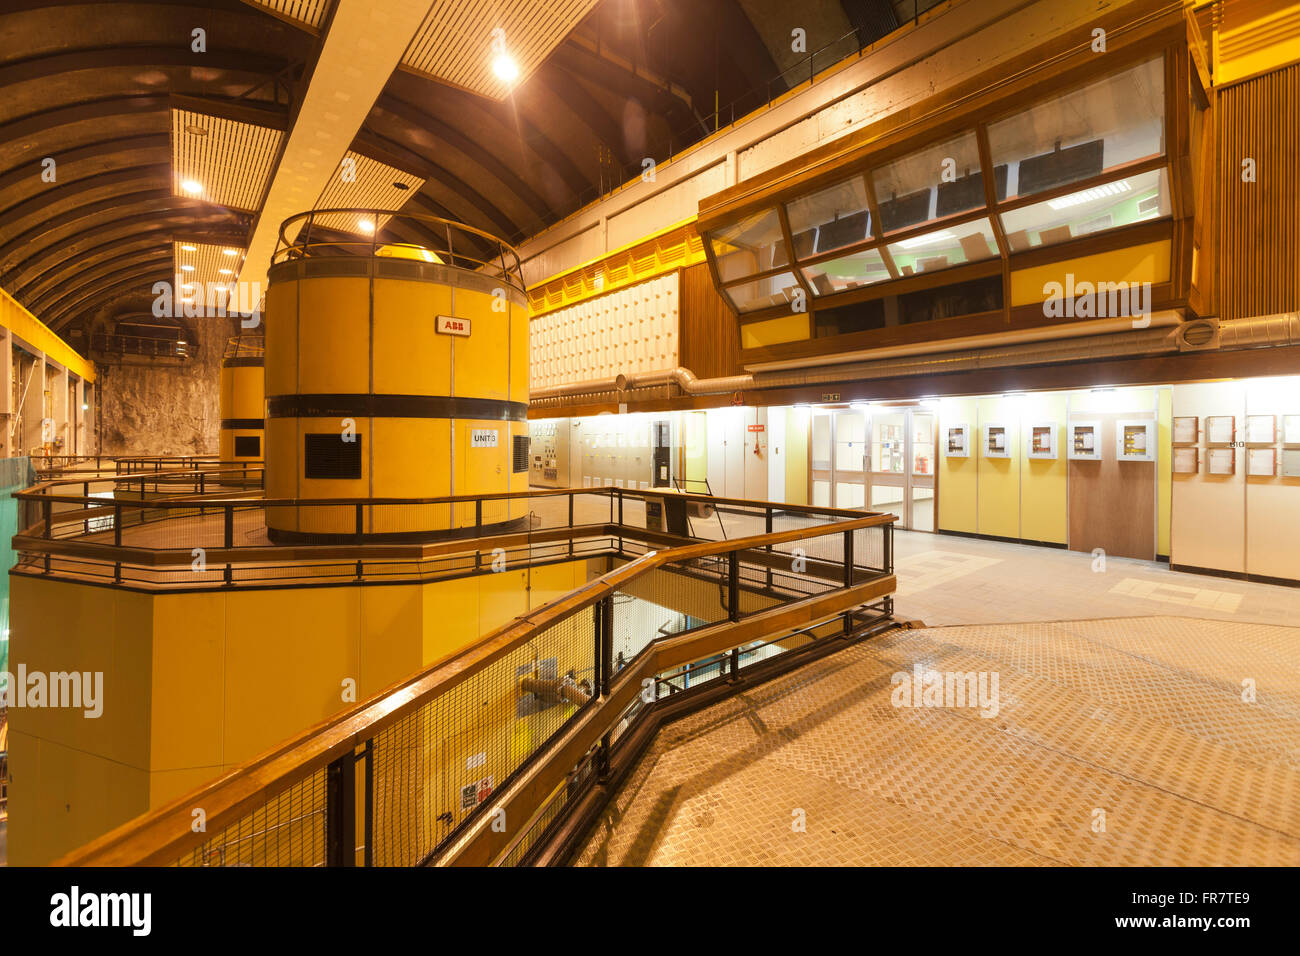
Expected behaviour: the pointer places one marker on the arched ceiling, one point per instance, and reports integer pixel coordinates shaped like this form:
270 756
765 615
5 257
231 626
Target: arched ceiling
93 86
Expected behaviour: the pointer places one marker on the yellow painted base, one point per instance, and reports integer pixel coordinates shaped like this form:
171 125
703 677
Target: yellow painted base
196 683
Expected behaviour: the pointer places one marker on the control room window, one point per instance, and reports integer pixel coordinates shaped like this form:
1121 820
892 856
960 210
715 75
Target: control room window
1085 132
932 251
940 180
1122 202
843 273
830 219
750 246
329 456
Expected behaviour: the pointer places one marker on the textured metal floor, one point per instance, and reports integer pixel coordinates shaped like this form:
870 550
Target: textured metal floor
1115 742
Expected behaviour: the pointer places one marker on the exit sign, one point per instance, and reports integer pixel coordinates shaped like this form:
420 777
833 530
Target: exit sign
757 428
830 396
450 325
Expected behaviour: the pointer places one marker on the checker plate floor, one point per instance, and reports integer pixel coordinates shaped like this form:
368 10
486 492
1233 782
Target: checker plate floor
1131 742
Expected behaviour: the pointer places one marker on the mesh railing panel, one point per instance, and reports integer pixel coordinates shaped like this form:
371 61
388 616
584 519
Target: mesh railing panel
435 767
288 830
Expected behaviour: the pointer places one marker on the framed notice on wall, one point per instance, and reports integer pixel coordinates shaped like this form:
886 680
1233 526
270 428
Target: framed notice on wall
1261 462
1291 429
957 443
1261 429
1084 441
1042 440
1187 461
1220 429
996 443
1222 461
1135 441
1186 430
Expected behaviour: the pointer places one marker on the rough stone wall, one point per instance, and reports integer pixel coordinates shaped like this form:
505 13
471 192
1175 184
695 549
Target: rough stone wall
158 410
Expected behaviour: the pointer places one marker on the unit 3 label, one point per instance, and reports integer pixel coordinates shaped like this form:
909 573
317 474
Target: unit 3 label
483 438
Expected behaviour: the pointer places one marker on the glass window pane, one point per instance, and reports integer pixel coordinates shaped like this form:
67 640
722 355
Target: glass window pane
921 186
753 244
830 219
1106 124
764 293
1109 206
821 441
943 248
846 272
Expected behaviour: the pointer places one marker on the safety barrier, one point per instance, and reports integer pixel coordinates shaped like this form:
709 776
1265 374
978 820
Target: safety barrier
475 759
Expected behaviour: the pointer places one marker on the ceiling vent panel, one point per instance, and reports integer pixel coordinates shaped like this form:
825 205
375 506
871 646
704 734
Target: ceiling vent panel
222 161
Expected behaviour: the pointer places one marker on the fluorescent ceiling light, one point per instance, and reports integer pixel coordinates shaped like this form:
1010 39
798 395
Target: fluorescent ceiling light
187 268
927 240
1088 195
226 272
227 252
505 68
187 248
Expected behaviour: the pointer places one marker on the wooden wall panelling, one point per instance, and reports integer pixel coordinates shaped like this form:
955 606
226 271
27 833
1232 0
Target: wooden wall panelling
1112 503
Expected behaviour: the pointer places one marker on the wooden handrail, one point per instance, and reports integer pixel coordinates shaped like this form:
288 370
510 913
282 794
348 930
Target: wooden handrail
163 835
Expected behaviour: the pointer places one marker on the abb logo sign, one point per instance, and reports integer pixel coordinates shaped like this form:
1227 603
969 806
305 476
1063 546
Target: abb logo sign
450 325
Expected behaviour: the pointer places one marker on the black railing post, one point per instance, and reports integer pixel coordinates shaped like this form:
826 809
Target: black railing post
368 807
85 505
571 497
228 539
48 508
735 665
848 559
598 647
607 644
360 522
733 585
767 529
888 548
117 541
341 811
849 578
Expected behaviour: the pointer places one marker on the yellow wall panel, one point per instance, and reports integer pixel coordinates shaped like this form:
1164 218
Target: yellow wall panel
1148 262
998 507
784 328
481 360
796 455
1043 480
411 357
333 340
278 686
281 320
187 688
958 476
392 635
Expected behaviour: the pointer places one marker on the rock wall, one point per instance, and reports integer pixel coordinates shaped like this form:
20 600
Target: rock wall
162 410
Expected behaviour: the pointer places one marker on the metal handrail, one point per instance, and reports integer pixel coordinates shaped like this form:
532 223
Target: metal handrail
163 835
505 264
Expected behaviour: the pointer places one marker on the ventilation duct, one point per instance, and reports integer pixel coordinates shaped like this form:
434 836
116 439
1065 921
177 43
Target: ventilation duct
1195 335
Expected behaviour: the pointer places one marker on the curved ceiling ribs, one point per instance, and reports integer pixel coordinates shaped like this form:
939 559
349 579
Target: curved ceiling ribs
93 86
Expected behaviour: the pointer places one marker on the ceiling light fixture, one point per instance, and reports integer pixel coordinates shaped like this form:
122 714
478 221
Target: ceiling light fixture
227 272
1088 195
367 225
187 268
187 249
927 240
400 185
505 68
230 252
191 186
